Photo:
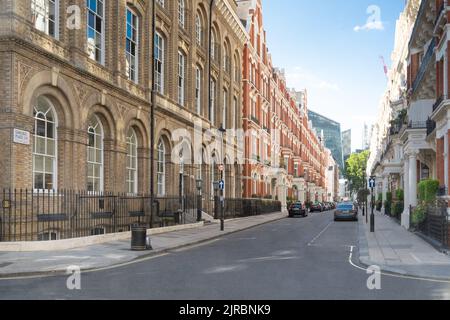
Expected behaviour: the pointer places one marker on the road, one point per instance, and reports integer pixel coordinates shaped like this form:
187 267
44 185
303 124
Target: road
292 259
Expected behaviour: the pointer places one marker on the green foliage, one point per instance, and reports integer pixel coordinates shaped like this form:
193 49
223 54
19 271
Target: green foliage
428 190
400 195
355 171
418 215
380 197
389 197
362 195
379 205
398 208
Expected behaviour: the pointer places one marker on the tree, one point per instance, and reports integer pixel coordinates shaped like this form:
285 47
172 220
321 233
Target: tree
355 171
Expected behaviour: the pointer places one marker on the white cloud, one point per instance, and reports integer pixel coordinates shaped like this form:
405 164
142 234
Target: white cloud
301 78
373 25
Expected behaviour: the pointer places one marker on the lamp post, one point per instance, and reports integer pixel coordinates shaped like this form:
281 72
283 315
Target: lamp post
199 200
152 116
222 131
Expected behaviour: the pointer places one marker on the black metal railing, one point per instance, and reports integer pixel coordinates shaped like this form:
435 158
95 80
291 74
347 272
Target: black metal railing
424 65
438 102
434 225
442 192
26 215
431 126
417 125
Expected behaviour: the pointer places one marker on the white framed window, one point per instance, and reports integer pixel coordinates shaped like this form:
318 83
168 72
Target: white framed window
198 29
51 235
181 77
159 63
235 113
213 45
225 109
132 162
181 14
45 16
212 104
95 30
161 168
45 146
132 46
95 160
198 90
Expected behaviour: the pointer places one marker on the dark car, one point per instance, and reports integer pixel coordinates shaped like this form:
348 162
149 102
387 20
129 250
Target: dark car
297 209
346 212
316 207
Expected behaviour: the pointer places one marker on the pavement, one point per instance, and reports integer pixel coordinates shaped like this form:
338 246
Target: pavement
397 250
287 259
93 257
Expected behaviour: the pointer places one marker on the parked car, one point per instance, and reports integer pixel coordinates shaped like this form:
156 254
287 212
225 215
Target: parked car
297 209
316 207
346 212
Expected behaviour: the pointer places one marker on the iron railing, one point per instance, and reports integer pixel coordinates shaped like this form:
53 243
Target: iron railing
438 102
431 126
26 215
434 226
424 65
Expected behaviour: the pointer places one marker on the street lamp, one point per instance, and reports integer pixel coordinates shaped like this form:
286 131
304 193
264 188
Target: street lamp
199 200
222 131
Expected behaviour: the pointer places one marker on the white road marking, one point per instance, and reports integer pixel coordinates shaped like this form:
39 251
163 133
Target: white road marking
394 275
319 235
59 273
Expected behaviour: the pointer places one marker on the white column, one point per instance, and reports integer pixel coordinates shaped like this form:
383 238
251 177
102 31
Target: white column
405 215
413 178
385 188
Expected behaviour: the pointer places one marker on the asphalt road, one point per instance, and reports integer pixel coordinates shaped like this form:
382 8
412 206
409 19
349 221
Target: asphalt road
292 259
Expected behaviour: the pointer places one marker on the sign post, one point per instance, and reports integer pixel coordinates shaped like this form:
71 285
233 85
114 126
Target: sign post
372 183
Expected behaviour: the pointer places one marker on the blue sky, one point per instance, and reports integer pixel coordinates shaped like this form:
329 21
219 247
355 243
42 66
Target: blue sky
333 48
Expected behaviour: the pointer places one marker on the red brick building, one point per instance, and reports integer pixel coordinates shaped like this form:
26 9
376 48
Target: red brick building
283 156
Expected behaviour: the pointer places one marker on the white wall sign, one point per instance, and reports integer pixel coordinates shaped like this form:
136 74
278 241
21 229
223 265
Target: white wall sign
21 137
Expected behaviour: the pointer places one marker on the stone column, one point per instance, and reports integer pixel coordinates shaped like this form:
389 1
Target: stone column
385 189
413 178
405 215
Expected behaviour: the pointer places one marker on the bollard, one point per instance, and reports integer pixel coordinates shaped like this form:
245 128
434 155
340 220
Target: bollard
372 223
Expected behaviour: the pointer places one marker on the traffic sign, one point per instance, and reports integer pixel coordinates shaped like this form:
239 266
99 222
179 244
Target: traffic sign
222 185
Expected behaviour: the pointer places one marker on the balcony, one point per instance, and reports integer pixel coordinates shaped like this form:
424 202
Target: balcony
255 120
438 102
424 66
417 125
431 126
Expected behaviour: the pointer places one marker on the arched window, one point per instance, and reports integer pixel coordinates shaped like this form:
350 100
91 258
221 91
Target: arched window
181 13
161 168
95 156
213 46
198 30
44 148
132 161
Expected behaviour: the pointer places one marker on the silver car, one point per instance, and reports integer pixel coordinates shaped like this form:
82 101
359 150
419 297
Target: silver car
346 212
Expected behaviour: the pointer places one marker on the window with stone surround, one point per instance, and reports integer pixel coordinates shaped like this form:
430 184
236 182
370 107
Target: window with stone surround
45 16
95 158
159 63
161 168
132 46
45 146
95 30
132 162
181 77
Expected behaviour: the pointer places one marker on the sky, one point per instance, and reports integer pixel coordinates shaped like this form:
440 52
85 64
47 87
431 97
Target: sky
333 48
